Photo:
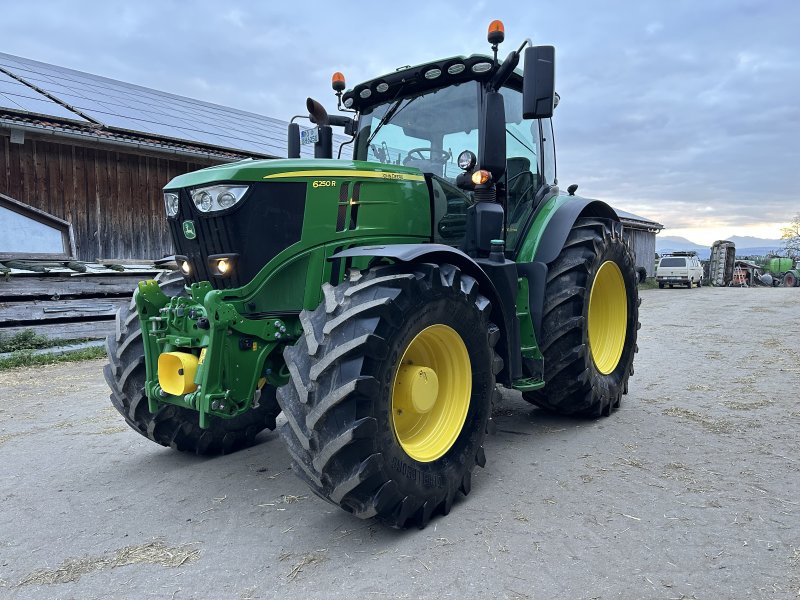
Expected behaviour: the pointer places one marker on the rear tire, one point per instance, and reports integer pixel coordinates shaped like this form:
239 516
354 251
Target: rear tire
340 403
574 383
173 426
661 286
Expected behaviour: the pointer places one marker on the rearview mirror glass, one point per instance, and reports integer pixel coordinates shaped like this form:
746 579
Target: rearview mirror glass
539 86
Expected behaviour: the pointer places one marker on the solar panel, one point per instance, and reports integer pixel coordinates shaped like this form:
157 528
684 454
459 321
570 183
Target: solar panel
133 108
20 97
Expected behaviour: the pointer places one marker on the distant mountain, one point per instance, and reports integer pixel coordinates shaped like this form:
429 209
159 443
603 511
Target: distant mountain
745 245
746 241
672 243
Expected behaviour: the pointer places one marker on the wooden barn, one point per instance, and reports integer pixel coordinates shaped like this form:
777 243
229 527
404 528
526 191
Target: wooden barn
642 235
96 152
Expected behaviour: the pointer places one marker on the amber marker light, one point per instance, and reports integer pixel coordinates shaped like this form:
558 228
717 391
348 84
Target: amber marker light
337 82
480 177
497 32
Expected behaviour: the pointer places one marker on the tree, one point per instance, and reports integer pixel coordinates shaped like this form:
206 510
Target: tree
791 237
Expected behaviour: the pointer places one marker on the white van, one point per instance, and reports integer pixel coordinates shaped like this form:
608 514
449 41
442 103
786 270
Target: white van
680 268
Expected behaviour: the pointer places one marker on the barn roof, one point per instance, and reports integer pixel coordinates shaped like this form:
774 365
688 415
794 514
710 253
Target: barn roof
57 99
633 221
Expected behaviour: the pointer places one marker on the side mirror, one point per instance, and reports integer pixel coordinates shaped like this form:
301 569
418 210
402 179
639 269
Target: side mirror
538 84
492 136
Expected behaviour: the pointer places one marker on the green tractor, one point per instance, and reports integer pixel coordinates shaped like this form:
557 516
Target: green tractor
378 301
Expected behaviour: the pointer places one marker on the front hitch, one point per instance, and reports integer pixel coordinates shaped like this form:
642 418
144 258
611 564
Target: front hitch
202 354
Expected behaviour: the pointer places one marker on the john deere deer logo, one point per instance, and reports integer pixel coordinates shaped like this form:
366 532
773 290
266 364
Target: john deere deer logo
188 230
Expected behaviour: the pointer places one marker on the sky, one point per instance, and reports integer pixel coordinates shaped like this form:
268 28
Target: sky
684 112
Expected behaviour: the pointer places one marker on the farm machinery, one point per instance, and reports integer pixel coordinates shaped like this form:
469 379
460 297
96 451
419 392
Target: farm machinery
378 301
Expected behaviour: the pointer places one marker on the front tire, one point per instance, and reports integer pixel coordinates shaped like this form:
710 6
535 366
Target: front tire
346 431
173 426
589 322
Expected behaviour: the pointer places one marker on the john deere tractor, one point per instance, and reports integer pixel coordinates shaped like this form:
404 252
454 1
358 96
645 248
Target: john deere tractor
378 301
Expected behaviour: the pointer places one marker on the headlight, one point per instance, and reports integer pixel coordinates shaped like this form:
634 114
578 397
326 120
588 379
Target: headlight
171 204
222 265
217 197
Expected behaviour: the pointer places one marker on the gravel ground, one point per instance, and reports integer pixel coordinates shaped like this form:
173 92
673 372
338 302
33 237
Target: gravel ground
691 490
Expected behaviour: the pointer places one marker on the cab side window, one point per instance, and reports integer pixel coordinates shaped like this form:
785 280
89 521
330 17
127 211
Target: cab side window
523 177
549 152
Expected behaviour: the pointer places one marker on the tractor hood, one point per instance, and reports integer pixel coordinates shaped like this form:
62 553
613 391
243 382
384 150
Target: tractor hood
260 170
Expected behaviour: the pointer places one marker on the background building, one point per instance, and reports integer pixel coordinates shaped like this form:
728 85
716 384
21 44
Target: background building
642 235
96 152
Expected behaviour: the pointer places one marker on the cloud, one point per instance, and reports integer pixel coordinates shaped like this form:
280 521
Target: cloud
680 111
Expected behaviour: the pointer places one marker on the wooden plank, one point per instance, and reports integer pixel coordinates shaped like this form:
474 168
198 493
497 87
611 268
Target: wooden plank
88 246
49 310
16 157
58 286
5 164
67 331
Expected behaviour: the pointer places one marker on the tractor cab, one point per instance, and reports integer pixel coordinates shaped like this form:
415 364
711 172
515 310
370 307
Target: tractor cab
456 116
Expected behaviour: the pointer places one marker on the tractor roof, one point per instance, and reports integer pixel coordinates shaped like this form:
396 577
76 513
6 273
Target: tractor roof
407 81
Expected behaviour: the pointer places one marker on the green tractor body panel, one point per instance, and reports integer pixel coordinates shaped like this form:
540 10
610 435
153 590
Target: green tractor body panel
240 331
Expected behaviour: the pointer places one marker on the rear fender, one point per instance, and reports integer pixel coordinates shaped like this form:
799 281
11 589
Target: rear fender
552 230
503 309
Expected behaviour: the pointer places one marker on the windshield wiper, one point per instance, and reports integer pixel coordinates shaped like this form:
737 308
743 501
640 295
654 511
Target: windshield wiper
393 111
386 116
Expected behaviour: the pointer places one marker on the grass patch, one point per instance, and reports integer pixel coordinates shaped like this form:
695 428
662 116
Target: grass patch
26 358
648 284
30 340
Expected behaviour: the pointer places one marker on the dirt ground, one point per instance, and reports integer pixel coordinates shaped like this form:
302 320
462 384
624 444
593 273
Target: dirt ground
691 490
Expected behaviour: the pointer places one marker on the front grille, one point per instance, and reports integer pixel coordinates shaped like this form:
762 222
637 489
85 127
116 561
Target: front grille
266 221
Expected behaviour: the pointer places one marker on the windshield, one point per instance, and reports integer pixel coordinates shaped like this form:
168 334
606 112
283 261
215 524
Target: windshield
672 262
427 131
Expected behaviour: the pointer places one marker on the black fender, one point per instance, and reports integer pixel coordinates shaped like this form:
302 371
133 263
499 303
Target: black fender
503 304
559 225
550 245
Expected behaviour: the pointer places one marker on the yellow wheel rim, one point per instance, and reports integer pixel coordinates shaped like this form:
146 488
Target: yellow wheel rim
608 317
431 392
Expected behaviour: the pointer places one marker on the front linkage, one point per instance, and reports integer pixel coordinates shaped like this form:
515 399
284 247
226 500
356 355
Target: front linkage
208 356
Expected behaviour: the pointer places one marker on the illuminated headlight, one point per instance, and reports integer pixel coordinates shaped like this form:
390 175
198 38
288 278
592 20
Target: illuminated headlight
222 265
171 204
481 67
217 197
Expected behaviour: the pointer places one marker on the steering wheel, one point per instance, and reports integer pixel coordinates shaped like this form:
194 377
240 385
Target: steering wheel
443 154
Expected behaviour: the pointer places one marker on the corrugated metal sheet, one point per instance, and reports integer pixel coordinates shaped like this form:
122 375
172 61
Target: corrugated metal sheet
631 220
643 244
